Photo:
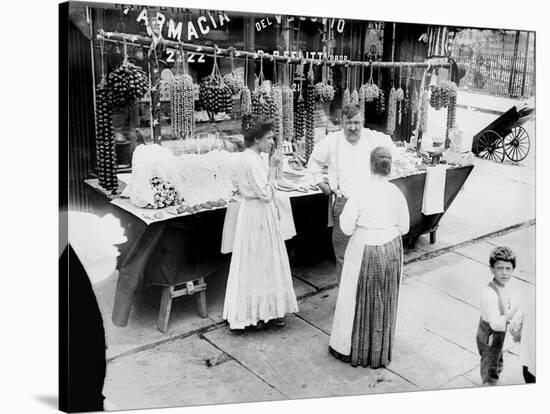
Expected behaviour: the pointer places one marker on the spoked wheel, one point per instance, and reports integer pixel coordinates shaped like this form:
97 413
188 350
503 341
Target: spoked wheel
517 144
489 146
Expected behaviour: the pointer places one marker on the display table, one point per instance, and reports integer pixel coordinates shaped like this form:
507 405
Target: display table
173 251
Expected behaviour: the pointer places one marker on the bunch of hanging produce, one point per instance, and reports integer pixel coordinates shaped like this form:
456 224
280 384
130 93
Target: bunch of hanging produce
182 105
105 139
234 82
324 92
214 95
310 112
441 94
288 113
127 83
263 104
164 193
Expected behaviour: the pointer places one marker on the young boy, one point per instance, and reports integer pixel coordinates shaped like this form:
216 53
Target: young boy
496 312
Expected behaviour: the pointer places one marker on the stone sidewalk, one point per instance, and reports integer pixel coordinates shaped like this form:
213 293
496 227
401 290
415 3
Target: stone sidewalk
199 361
434 346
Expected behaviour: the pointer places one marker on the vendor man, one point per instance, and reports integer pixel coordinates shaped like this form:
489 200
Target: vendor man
347 155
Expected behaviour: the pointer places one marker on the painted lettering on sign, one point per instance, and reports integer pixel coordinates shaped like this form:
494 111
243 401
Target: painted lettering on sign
191 57
266 22
306 55
176 29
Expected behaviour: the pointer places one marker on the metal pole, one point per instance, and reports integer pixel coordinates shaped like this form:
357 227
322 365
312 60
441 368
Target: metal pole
146 42
513 68
525 65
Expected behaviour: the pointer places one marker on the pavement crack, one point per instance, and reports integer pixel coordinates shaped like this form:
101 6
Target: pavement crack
312 324
453 247
449 341
201 336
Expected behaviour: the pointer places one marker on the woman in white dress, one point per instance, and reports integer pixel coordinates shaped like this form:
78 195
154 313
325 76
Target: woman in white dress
366 309
259 286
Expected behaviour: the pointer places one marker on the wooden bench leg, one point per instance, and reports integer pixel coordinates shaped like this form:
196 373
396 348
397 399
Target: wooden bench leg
201 301
201 304
432 237
165 308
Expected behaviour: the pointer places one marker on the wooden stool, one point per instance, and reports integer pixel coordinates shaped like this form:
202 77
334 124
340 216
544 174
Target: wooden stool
171 292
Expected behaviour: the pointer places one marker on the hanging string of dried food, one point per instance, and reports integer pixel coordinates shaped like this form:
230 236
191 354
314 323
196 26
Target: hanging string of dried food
399 96
415 98
277 95
182 100
288 106
392 107
246 101
105 134
362 92
310 109
347 93
451 111
300 112
354 97
381 101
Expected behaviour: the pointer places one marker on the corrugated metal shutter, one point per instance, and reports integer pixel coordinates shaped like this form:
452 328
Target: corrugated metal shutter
81 118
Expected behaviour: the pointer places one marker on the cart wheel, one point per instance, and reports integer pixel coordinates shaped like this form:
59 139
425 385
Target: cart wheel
517 144
490 147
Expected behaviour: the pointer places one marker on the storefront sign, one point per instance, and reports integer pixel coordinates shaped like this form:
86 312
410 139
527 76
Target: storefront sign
175 29
307 55
191 57
269 21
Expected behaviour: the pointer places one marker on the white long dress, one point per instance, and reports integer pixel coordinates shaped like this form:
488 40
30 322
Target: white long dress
259 286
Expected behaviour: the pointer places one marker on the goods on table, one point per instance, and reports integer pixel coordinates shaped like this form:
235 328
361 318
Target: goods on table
105 139
182 103
164 193
405 163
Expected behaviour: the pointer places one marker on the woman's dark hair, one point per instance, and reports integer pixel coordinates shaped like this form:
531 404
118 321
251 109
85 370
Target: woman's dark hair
257 128
502 253
380 161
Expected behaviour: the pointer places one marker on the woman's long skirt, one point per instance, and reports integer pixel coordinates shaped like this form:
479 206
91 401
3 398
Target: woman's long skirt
376 306
259 285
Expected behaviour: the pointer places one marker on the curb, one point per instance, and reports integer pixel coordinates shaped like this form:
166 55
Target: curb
479 109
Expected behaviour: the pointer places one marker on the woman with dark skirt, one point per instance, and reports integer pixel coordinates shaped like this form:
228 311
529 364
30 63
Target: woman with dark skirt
366 309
